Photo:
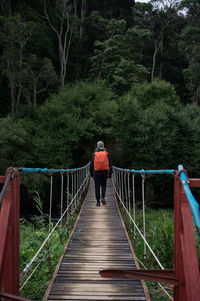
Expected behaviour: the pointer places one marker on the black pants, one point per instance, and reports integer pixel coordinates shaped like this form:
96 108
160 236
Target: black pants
100 178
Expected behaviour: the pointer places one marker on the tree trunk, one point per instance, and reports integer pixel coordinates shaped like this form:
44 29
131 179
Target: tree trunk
61 55
161 52
100 71
12 86
156 49
28 100
64 35
18 96
12 94
153 63
83 12
197 96
34 95
19 83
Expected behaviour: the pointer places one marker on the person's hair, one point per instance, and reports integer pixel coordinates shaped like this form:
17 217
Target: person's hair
100 144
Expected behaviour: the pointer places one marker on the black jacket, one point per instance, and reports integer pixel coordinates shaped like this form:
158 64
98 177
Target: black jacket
92 164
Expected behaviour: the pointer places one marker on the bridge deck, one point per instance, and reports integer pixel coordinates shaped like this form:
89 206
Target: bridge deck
99 242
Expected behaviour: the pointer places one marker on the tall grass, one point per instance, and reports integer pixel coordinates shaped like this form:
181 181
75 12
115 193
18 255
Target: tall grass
160 236
32 234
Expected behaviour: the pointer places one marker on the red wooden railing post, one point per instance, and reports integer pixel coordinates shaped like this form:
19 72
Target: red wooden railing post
16 232
179 291
9 236
186 265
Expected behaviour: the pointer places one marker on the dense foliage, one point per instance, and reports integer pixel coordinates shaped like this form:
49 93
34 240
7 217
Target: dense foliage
74 72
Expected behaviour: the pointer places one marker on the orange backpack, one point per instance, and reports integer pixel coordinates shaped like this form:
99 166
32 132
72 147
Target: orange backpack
101 161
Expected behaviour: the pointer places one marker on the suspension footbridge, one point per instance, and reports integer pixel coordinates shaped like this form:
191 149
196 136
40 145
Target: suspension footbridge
99 242
99 262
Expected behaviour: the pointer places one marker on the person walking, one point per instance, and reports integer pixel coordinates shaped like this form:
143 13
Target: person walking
100 170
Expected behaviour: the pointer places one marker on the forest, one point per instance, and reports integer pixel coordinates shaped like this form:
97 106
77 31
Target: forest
77 71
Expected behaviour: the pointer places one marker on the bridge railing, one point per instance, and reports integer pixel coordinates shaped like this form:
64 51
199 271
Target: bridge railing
9 233
186 266
185 276
75 184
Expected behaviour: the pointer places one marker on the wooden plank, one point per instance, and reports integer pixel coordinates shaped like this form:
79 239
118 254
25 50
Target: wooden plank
98 242
96 298
88 287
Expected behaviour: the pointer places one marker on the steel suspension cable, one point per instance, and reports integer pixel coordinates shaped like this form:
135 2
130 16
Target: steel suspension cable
120 183
75 187
73 205
122 187
50 202
67 195
143 214
134 207
61 197
129 200
125 188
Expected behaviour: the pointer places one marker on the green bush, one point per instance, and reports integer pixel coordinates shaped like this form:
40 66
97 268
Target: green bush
159 135
69 120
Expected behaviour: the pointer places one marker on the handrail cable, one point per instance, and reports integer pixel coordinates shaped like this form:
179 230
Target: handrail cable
153 171
49 171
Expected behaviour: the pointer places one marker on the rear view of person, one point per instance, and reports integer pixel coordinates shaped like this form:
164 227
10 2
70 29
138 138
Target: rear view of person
100 170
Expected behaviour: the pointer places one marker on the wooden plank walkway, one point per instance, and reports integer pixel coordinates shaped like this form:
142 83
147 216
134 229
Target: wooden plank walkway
99 241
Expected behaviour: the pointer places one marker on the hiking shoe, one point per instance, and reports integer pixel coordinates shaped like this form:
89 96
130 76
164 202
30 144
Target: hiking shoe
103 201
98 204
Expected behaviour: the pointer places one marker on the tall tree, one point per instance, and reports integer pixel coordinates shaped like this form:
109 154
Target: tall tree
40 76
61 16
118 58
163 20
14 36
190 47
